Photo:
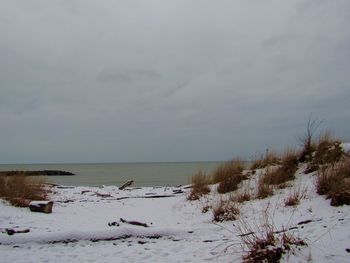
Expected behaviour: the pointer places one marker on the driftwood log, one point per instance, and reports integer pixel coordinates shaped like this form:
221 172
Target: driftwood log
135 223
11 231
128 183
103 195
41 206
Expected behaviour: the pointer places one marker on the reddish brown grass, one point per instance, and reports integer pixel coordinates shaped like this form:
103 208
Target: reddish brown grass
19 189
285 172
295 196
334 182
229 175
271 158
225 210
200 185
264 243
264 190
227 169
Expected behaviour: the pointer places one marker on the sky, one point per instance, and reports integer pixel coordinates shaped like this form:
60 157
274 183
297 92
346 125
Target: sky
161 80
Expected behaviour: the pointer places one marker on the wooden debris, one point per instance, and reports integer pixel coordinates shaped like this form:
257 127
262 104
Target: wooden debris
146 196
11 232
113 223
41 206
103 195
128 183
135 223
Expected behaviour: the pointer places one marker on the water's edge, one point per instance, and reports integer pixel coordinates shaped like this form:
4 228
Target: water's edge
98 174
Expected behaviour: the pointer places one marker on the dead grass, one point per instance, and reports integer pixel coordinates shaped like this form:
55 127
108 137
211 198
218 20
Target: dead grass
295 196
200 185
271 158
328 151
334 182
227 169
243 195
265 244
225 210
19 189
285 172
229 175
264 190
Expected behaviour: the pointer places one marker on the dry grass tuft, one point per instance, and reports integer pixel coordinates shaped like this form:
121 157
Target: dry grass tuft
334 182
243 197
225 210
19 189
295 196
266 245
271 158
229 175
264 190
285 172
227 169
328 151
200 186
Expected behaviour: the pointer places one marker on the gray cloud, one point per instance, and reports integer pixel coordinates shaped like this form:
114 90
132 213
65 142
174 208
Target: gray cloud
91 81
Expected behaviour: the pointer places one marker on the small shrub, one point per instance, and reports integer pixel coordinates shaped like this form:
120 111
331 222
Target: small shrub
294 197
225 210
19 189
229 175
333 181
231 183
285 172
307 140
227 169
328 151
242 197
200 186
271 158
265 244
206 208
264 190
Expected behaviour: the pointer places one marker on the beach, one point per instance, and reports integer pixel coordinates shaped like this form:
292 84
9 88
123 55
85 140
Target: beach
95 224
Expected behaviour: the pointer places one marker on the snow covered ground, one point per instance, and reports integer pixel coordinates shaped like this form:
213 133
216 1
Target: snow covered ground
86 226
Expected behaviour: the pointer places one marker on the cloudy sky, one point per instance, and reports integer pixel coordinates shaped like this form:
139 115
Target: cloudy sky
161 80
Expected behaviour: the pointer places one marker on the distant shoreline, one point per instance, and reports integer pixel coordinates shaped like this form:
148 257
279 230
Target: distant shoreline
37 173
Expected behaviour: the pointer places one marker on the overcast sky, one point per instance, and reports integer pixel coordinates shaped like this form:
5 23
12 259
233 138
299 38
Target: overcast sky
161 80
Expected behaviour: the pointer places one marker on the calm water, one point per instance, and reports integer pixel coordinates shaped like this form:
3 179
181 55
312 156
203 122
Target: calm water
143 174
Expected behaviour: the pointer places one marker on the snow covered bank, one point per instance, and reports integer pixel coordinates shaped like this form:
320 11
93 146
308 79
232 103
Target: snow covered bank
85 226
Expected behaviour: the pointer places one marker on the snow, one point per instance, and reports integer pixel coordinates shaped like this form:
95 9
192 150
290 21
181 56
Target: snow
38 203
78 229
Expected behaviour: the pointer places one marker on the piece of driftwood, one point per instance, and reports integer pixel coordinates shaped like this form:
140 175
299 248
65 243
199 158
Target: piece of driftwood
41 206
144 196
113 223
11 231
65 201
103 195
128 183
135 223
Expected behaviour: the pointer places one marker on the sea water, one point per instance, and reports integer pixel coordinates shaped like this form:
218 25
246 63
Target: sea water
98 174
